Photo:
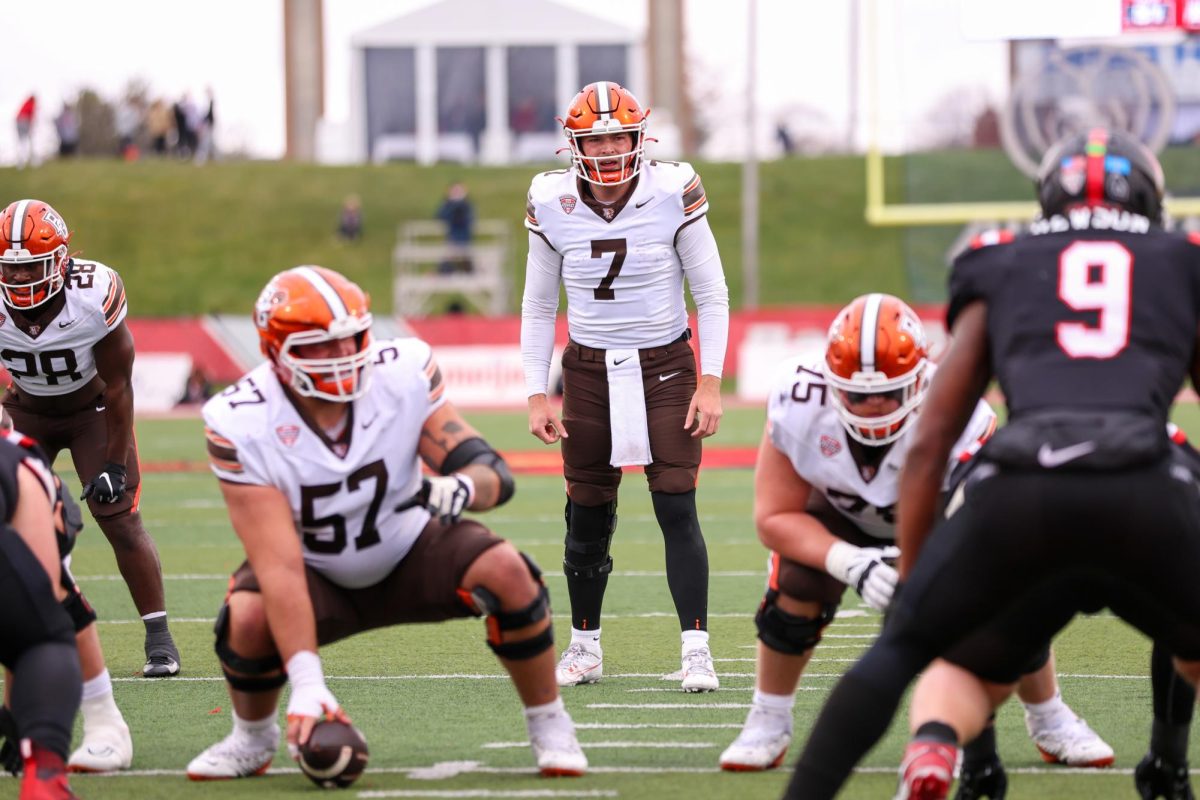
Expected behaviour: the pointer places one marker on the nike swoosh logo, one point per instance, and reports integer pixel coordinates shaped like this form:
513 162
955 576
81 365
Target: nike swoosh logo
1050 458
622 361
66 324
100 408
668 376
639 205
366 425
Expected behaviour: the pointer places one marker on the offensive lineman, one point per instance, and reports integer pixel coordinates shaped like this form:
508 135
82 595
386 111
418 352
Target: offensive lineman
64 341
621 234
318 452
826 490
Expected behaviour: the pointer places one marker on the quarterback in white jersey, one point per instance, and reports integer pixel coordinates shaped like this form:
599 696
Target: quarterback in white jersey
826 490
622 233
318 452
64 342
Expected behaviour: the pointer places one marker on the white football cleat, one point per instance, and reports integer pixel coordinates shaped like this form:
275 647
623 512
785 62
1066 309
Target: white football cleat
235 756
1069 740
579 665
761 745
556 749
698 673
106 747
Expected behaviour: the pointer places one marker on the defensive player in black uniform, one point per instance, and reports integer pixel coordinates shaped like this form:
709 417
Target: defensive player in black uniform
37 639
1091 323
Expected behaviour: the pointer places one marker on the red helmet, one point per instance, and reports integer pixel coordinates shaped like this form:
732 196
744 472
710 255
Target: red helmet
876 347
311 305
33 253
603 108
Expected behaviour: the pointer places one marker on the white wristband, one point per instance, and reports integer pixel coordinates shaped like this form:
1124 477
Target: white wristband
304 669
470 486
839 559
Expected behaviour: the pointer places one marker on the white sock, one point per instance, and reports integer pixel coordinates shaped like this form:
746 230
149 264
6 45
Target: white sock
257 729
98 686
100 708
781 703
693 640
1049 709
589 639
551 709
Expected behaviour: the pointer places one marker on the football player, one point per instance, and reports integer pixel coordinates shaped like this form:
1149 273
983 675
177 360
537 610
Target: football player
64 341
826 490
107 744
37 642
621 232
1079 494
318 452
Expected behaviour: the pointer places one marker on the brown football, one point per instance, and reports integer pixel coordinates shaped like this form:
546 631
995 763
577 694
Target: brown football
334 755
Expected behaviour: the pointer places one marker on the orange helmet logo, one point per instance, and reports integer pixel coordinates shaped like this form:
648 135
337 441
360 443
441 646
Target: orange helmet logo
875 361
605 108
33 253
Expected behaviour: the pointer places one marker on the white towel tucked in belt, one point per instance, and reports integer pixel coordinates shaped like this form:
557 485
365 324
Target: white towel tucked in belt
627 409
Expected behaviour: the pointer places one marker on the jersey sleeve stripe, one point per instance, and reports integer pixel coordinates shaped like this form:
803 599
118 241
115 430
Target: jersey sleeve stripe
116 293
112 317
530 216
693 196
436 394
217 439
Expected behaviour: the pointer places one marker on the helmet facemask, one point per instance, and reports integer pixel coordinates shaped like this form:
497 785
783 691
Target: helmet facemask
908 390
629 164
45 283
339 379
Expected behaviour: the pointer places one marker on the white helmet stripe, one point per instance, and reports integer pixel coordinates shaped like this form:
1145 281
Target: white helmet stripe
330 295
18 224
602 104
870 325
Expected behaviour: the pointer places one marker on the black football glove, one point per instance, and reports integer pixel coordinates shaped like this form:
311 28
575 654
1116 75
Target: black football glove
108 486
10 750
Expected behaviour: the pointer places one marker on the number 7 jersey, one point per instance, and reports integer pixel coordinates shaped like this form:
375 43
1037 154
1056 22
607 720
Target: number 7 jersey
56 358
622 274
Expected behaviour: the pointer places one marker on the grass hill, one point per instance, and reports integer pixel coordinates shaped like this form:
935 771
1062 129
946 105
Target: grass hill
191 240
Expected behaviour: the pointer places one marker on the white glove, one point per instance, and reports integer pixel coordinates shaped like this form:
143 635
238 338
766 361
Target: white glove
447 496
866 570
310 696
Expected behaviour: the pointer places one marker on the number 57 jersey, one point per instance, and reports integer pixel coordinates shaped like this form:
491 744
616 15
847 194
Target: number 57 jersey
348 494
56 358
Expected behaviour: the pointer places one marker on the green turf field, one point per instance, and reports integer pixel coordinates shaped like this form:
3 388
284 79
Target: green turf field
441 719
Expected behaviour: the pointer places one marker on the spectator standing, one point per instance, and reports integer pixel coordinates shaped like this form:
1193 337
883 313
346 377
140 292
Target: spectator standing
197 389
159 122
25 117
205 150
127 121
350 220
459 215
66 124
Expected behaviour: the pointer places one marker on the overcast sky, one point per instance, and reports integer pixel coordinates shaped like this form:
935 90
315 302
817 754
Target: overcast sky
236 47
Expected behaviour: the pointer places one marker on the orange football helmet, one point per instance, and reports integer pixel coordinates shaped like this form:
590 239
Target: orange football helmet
34 261
602 108
311 305
876 347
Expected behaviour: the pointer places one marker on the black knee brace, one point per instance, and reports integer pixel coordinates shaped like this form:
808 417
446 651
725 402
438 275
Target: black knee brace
589 537
789 633
254 675
78 608
482 602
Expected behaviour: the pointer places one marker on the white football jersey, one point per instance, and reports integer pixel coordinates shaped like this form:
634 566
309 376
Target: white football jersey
807 429
57 359
343 494
623 277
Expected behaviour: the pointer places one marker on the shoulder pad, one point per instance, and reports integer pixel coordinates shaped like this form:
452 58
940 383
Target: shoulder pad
991 238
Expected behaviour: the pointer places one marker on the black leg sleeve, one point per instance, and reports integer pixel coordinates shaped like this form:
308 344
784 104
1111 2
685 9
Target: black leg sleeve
1174 702
855 717
686 555
47 685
